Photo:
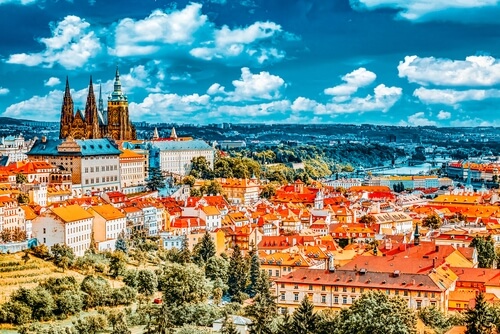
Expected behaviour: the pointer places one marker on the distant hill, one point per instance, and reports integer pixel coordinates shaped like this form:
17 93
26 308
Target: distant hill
13 121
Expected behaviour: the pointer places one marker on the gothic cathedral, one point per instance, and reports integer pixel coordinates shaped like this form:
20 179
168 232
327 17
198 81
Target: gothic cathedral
97 122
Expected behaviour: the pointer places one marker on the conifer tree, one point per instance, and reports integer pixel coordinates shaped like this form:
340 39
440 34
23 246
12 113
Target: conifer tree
263 309
254 274
228 326
237 275
304 320
480 319
185 254
121 243
204 250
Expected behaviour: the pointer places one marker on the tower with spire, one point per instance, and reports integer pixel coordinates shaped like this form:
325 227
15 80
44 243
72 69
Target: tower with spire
96 122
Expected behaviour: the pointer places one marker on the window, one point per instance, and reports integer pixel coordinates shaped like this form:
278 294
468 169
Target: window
387 292
277 273
295 297
336 299
296 286
270 272
405 293
361 290
44 231
282 285
323 288
433 295
426 294
336 288
323 299
419 294
353 290
419 304
344 299
396 292
282 296
344 289
310 287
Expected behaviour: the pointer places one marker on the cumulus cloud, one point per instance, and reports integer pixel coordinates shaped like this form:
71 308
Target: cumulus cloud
419 119
148 36
252 110
442 115
416 10
251 87
473 71
383 99
452 97
4 91
168 107
353 81
245 42
52 81
71 45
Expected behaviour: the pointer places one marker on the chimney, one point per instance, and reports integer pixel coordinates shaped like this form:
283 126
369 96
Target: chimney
437 248
44 139
331 263
434 263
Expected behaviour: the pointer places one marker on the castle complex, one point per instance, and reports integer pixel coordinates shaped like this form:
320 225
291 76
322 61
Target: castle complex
96 122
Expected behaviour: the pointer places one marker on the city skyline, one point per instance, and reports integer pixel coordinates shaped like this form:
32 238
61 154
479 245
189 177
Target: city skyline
388 62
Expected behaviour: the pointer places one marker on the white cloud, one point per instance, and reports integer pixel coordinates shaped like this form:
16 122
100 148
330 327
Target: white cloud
147 36
52 81
168 107
452 97
418 9
241 42
71 45
382 100
49 106
473 122
473 71
4 91
353 81
442 115
419 119
251 110
251 87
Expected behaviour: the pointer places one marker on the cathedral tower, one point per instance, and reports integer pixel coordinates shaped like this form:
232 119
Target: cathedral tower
119 125
91 119
66 112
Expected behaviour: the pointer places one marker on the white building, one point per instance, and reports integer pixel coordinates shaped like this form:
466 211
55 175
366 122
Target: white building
109 222
11 214
15 148
93 163
132 171
70 225
175 156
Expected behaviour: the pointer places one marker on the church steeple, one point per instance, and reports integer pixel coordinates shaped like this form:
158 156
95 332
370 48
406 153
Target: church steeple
101 102
117 94
67 111
416 236
91 118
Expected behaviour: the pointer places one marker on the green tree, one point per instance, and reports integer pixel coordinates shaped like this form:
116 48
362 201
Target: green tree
368 220
263 309
376 313
96 291
204 249
432 221
268 191
304 320
189 180
21 178
121 243
118 321
23 198
228 326
213 188
39 300
217 268
480 319
185 255
182 284
69 302
156 179
117 263
432 317
63 256
200 168
254 274
485 248
147 282
237 275
130 278
91 324
195 192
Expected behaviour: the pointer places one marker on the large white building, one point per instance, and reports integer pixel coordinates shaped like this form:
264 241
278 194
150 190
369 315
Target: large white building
175 156
94 163
132 171
69 225
14 148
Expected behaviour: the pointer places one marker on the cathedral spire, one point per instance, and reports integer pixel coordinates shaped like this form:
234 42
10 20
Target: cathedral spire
101 103
91 118
66 112
117 94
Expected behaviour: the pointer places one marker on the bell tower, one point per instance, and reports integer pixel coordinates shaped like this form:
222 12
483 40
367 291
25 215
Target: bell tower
67 111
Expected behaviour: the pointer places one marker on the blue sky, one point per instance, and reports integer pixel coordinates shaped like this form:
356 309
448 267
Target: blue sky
397 62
